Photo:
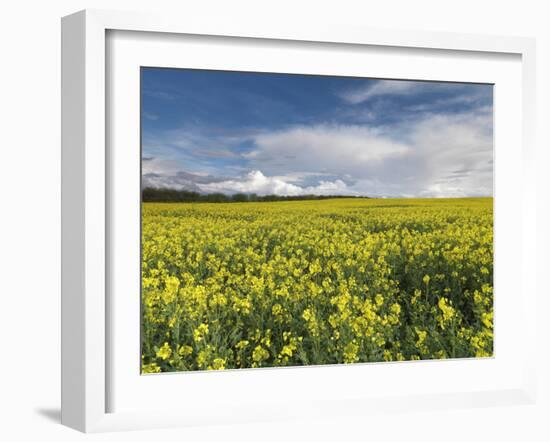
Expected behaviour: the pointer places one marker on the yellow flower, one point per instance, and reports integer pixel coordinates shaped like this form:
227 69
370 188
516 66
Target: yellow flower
241 345
150 368
487 319
164 352
395 308
277 310
185 350
200 332
422 334
350 353
447 312
311 319
217 364
259 354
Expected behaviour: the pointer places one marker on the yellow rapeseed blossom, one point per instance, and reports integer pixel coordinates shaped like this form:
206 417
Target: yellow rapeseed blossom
345 280
350 353
259 354
165 351
185 350
150 368
447 312
217 364
200 332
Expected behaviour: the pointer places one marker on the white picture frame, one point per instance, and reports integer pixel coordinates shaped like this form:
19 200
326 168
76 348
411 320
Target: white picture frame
87 208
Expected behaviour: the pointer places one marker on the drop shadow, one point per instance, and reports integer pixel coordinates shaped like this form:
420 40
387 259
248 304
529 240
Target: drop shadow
51 414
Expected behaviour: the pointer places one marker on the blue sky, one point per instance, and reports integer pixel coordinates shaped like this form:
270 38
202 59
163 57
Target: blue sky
216 131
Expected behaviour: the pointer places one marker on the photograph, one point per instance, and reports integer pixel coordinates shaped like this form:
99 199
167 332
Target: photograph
303 220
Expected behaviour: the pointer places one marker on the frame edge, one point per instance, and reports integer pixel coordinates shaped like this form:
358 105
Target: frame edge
73 80
83 374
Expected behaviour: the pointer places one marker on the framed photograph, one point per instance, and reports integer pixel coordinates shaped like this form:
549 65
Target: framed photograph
279 223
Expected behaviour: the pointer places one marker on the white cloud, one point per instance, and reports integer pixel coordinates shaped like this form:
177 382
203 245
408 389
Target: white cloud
381 87
160 166
326 147
457 152
257 182
439 155
435 156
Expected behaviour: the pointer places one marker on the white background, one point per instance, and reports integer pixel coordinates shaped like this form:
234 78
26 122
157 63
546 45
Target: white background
30 215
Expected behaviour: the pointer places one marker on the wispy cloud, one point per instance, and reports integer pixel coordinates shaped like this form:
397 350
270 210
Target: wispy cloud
150 116
179 179
162 95
381 87
425 95
326 145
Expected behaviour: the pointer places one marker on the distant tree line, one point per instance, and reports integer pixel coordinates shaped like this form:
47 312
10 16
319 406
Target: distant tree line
165 195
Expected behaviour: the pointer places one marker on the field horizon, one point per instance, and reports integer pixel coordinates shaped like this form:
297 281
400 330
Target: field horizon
327 198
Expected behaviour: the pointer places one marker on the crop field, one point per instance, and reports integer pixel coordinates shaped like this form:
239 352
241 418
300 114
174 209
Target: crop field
243 285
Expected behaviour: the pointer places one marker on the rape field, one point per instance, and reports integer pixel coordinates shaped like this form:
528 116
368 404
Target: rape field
241 285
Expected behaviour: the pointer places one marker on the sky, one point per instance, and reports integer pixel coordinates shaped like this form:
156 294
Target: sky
264 133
